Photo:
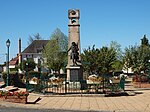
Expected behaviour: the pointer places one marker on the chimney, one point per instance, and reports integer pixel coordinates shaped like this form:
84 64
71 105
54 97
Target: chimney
19 45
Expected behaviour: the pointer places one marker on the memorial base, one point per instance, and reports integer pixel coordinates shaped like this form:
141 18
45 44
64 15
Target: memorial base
74 73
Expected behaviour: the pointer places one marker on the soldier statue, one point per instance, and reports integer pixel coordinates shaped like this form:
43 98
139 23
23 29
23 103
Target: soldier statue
74 53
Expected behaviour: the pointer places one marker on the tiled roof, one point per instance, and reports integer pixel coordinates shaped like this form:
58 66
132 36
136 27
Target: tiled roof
36 46
14 61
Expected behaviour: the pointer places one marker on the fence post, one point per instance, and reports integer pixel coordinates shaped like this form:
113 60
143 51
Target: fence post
65 86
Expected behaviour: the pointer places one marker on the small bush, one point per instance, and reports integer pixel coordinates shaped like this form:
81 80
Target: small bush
13 79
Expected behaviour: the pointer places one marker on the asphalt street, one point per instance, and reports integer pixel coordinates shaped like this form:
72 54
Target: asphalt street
10 109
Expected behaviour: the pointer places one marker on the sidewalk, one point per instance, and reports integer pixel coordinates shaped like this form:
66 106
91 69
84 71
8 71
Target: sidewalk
138 103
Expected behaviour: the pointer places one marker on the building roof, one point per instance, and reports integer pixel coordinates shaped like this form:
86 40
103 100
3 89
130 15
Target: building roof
36 46
14 61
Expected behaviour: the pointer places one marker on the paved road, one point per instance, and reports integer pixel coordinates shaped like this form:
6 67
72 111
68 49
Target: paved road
8 109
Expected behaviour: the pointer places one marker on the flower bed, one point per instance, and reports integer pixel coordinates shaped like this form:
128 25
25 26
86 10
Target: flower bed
141 84
16 97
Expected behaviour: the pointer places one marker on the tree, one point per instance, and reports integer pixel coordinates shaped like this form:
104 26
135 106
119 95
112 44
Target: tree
89 57
144 41
101 60
107 57
61 38
35 37
55 51
136 58
27 65
117 48
118 64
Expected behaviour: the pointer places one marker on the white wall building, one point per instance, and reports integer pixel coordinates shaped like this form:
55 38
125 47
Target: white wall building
33 51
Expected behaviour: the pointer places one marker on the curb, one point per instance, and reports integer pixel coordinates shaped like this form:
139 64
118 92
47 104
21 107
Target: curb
68 95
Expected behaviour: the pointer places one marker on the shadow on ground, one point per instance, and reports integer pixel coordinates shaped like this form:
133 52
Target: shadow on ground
34 102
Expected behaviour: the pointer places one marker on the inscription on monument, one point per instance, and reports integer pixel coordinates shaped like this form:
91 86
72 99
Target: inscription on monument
74 74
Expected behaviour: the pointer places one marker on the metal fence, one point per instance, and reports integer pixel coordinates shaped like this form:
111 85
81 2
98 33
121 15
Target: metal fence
75 87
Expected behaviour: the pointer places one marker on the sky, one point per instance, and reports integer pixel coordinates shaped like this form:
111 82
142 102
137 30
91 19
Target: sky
101 21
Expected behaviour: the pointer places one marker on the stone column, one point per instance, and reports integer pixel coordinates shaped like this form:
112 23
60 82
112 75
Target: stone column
74 73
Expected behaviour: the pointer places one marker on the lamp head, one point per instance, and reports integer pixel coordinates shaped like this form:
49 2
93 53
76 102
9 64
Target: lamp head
8 43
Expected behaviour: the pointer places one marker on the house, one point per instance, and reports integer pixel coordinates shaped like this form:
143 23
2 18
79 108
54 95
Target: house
33 51
13 63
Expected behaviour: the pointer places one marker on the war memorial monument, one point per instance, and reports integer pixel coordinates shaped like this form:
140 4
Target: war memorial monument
74 66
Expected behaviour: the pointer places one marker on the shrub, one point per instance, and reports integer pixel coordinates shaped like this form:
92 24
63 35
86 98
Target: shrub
33 74
14 79
144 78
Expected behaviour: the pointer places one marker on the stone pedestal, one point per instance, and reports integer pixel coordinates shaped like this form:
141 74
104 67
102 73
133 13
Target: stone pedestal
74 73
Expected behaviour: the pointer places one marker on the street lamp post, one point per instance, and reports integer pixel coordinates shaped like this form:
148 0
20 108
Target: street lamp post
39 70
8 45
26 75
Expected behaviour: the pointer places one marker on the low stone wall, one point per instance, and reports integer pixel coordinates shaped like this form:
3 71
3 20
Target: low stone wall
14 94
14 99
141 84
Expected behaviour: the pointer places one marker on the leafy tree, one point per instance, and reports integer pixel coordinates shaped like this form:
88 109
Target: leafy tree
55 51
89 57
118 65
27 65
34 37
136 58
101 60
107 57
144 41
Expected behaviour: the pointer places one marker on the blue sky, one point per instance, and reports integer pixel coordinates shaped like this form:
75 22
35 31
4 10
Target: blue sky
102 21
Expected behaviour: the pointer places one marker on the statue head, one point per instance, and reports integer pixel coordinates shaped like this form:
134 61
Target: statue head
73 43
